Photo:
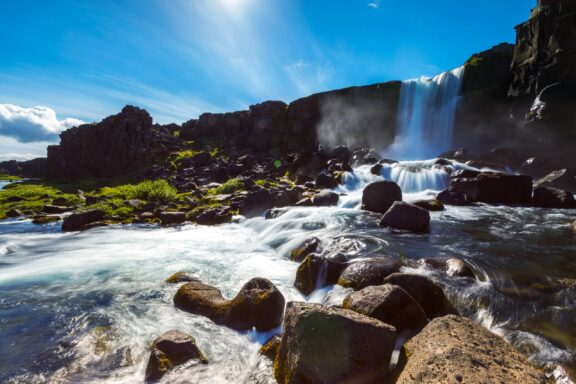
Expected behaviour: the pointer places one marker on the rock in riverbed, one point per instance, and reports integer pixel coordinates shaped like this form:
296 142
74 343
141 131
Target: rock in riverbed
390 304
453 349
259 304
332 345
318 270
406 216
380 195
77 221
430 205
549 197
170 218
181 277
370 272
310 245
171 349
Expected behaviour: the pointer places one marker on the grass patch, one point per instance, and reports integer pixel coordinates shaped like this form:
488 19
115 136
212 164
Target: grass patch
231 186
475 61
150 190
33 197
9 178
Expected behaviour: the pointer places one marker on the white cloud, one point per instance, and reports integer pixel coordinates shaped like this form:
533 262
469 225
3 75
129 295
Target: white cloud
17 156
375 4
28 125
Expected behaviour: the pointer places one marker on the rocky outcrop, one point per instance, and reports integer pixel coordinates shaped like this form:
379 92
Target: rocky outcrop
453 349
331 345
406 216
171 349
120 144
562 179
390 304
259 304
491 187
549 197
34 169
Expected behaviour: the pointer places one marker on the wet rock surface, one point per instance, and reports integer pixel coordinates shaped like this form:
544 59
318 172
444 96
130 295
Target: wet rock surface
380 195
407 217
77 221
362 274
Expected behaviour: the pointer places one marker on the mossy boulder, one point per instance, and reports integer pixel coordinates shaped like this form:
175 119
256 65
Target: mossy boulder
44 219
259 304
309 246
181 277
362 274
171 349
316 271
427 293
270 347
332 345
430 205
390 304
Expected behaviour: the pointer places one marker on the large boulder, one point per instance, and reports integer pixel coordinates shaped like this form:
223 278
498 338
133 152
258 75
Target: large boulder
453 349
553 198
332 345
380 195
259 304
322 199
256 203
171 349
326 181
390 304
562 179
362 274
309 246
406 216
77 221
491 187
427 293
170 218
316 271
448 197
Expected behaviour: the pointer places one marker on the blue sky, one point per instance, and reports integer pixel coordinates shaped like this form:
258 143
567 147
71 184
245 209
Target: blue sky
84 60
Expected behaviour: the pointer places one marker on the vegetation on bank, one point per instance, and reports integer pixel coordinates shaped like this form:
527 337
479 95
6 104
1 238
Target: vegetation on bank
10 178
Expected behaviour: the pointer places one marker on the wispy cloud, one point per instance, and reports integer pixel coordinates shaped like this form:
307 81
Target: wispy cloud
17 156
375 4
34 124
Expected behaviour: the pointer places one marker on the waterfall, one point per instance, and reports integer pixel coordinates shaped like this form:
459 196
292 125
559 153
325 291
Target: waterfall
426 114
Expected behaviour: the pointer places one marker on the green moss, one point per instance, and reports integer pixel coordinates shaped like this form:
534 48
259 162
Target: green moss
33 197
176 133
9 178
177 157
230 186
150 190
474 61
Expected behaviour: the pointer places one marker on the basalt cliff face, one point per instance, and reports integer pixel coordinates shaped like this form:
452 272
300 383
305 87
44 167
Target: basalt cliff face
520 96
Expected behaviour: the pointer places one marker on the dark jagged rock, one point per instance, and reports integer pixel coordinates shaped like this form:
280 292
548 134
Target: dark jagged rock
376 169
316 271
342 153
171 218
310 245
256 203
126 142
380 195
449 197
453 349
537 167
34 169
427 293
181 277
494 188
430 205
406 216
56 209
77 221
259 304
362 274
322 199
389 304
44 219
331 345
553 198
171 349
14 213
214 216
325 180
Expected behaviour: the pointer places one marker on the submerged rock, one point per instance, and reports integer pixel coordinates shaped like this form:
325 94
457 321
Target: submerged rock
77 221
427 293
451 266
452 198
430 205
380 195
553 198
310 245
390 304
332 345
171 349
259 304
181 277
453 349
406 216
370 272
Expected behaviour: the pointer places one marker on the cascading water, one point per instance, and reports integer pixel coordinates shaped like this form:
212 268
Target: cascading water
426 114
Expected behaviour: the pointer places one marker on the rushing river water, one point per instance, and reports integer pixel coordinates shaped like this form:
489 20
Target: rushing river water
71 302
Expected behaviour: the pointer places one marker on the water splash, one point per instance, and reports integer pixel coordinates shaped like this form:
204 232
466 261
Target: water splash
426 114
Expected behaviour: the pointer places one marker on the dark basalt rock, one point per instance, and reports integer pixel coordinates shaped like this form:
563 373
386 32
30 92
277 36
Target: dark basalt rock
56 209
259 304
362 274
171 218
453 198
389 304
326 181
451 266
34 169
171 349
380 195
537 167
562 179
406 216
256 203
181 277
427 293
494 188
376 169
341 153
316 271
14 213
332 345
214 216
322 199
270 347
43 219
310 245
430 205
77 221
549 197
